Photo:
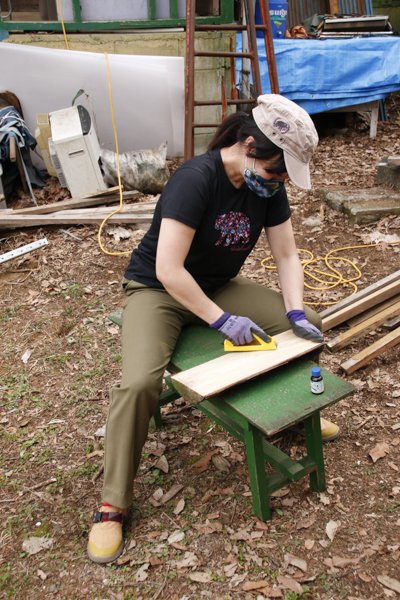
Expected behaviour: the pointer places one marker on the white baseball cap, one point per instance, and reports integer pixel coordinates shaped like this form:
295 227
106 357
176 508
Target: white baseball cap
291 128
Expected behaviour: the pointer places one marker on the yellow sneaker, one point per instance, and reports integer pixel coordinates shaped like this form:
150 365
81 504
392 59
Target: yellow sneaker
329 431
105 540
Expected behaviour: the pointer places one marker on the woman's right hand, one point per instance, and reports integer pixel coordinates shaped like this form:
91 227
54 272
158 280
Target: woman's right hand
239 330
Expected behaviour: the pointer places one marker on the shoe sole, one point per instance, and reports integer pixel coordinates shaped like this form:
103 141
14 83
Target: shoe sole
105 559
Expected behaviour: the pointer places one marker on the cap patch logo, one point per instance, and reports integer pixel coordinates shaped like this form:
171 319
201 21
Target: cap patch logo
281 125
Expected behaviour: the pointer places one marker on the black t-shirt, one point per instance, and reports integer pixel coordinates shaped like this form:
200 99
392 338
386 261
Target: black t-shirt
228 222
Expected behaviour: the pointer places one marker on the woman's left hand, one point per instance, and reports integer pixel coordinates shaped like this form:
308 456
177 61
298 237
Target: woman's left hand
302 327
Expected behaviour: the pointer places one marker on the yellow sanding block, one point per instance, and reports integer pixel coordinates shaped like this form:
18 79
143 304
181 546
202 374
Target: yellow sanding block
256 344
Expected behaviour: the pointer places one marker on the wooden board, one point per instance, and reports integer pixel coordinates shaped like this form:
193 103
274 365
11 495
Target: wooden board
367 314
105 197
9 221
365 356
361 294
353 334
137 209
360 306
230 369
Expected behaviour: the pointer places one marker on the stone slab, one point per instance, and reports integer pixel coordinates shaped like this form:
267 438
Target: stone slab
388 171
365 206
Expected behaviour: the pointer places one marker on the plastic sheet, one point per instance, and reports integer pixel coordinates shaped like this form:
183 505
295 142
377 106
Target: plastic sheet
148 92
323 75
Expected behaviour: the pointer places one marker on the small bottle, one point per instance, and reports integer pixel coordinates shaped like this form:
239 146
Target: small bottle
317 382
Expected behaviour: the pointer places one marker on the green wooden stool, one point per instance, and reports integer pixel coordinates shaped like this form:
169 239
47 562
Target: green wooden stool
258 409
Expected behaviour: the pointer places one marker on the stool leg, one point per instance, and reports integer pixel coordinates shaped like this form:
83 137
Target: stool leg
312 427
258 478
167 396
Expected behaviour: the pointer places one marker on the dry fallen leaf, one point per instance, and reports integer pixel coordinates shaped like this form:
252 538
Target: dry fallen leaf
254 585
341 563
389 582
393 466
175 537
306 523
179 507
331 529
208 527
41 574
290 584
203 464
221 463
299 563
162 464
200 577
364 577
189 560
141 574
379 451
309 544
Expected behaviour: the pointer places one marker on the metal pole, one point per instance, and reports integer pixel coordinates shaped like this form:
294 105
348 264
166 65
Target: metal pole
189 84
269 46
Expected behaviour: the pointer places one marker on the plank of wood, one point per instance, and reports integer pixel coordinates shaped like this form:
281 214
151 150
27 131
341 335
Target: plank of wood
94 199
367 314
141 207
360 306
368 354
9 221
353 334
233 368
392 323
360 294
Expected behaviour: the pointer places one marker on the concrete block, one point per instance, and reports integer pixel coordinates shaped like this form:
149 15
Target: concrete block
365 206
388 172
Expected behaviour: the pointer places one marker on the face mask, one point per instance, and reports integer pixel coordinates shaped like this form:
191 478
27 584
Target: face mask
260 186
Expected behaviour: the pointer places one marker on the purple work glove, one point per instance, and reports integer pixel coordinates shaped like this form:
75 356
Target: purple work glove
302 327
238 330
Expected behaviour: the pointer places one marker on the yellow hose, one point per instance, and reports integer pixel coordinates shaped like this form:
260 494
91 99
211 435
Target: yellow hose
336 275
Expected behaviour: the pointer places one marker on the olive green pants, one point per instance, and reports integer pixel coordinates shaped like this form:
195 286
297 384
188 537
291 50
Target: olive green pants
151 323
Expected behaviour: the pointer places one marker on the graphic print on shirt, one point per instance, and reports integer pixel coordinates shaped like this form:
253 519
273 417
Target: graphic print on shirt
234 228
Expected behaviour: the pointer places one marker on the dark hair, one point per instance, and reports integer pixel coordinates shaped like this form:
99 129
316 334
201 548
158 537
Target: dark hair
237 128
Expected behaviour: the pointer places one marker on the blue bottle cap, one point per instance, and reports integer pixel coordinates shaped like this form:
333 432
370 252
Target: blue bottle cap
316 372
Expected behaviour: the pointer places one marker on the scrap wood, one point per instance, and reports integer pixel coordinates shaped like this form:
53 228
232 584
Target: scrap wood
373 311
76 203
353 334
88 200
360 294
77 218
368 354
142 207
361 305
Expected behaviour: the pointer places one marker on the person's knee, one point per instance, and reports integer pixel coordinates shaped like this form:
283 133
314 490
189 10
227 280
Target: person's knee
313 317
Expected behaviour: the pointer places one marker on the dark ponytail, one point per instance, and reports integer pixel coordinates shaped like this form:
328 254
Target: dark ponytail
240 126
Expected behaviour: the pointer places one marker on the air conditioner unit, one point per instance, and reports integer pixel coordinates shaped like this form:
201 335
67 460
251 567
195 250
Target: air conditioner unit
78 150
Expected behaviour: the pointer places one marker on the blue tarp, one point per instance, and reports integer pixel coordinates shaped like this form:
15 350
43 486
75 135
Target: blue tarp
321 75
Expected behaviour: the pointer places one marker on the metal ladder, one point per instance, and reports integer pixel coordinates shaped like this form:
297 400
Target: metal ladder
252 54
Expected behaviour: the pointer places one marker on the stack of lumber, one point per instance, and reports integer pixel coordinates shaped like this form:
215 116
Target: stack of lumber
75 211
375 306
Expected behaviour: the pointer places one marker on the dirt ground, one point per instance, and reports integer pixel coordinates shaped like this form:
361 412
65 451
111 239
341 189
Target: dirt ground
60 355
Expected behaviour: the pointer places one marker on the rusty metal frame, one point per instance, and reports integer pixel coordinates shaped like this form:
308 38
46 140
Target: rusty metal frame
191 53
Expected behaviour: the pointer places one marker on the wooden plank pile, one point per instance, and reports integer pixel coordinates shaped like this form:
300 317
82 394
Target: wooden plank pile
375 306
76 211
